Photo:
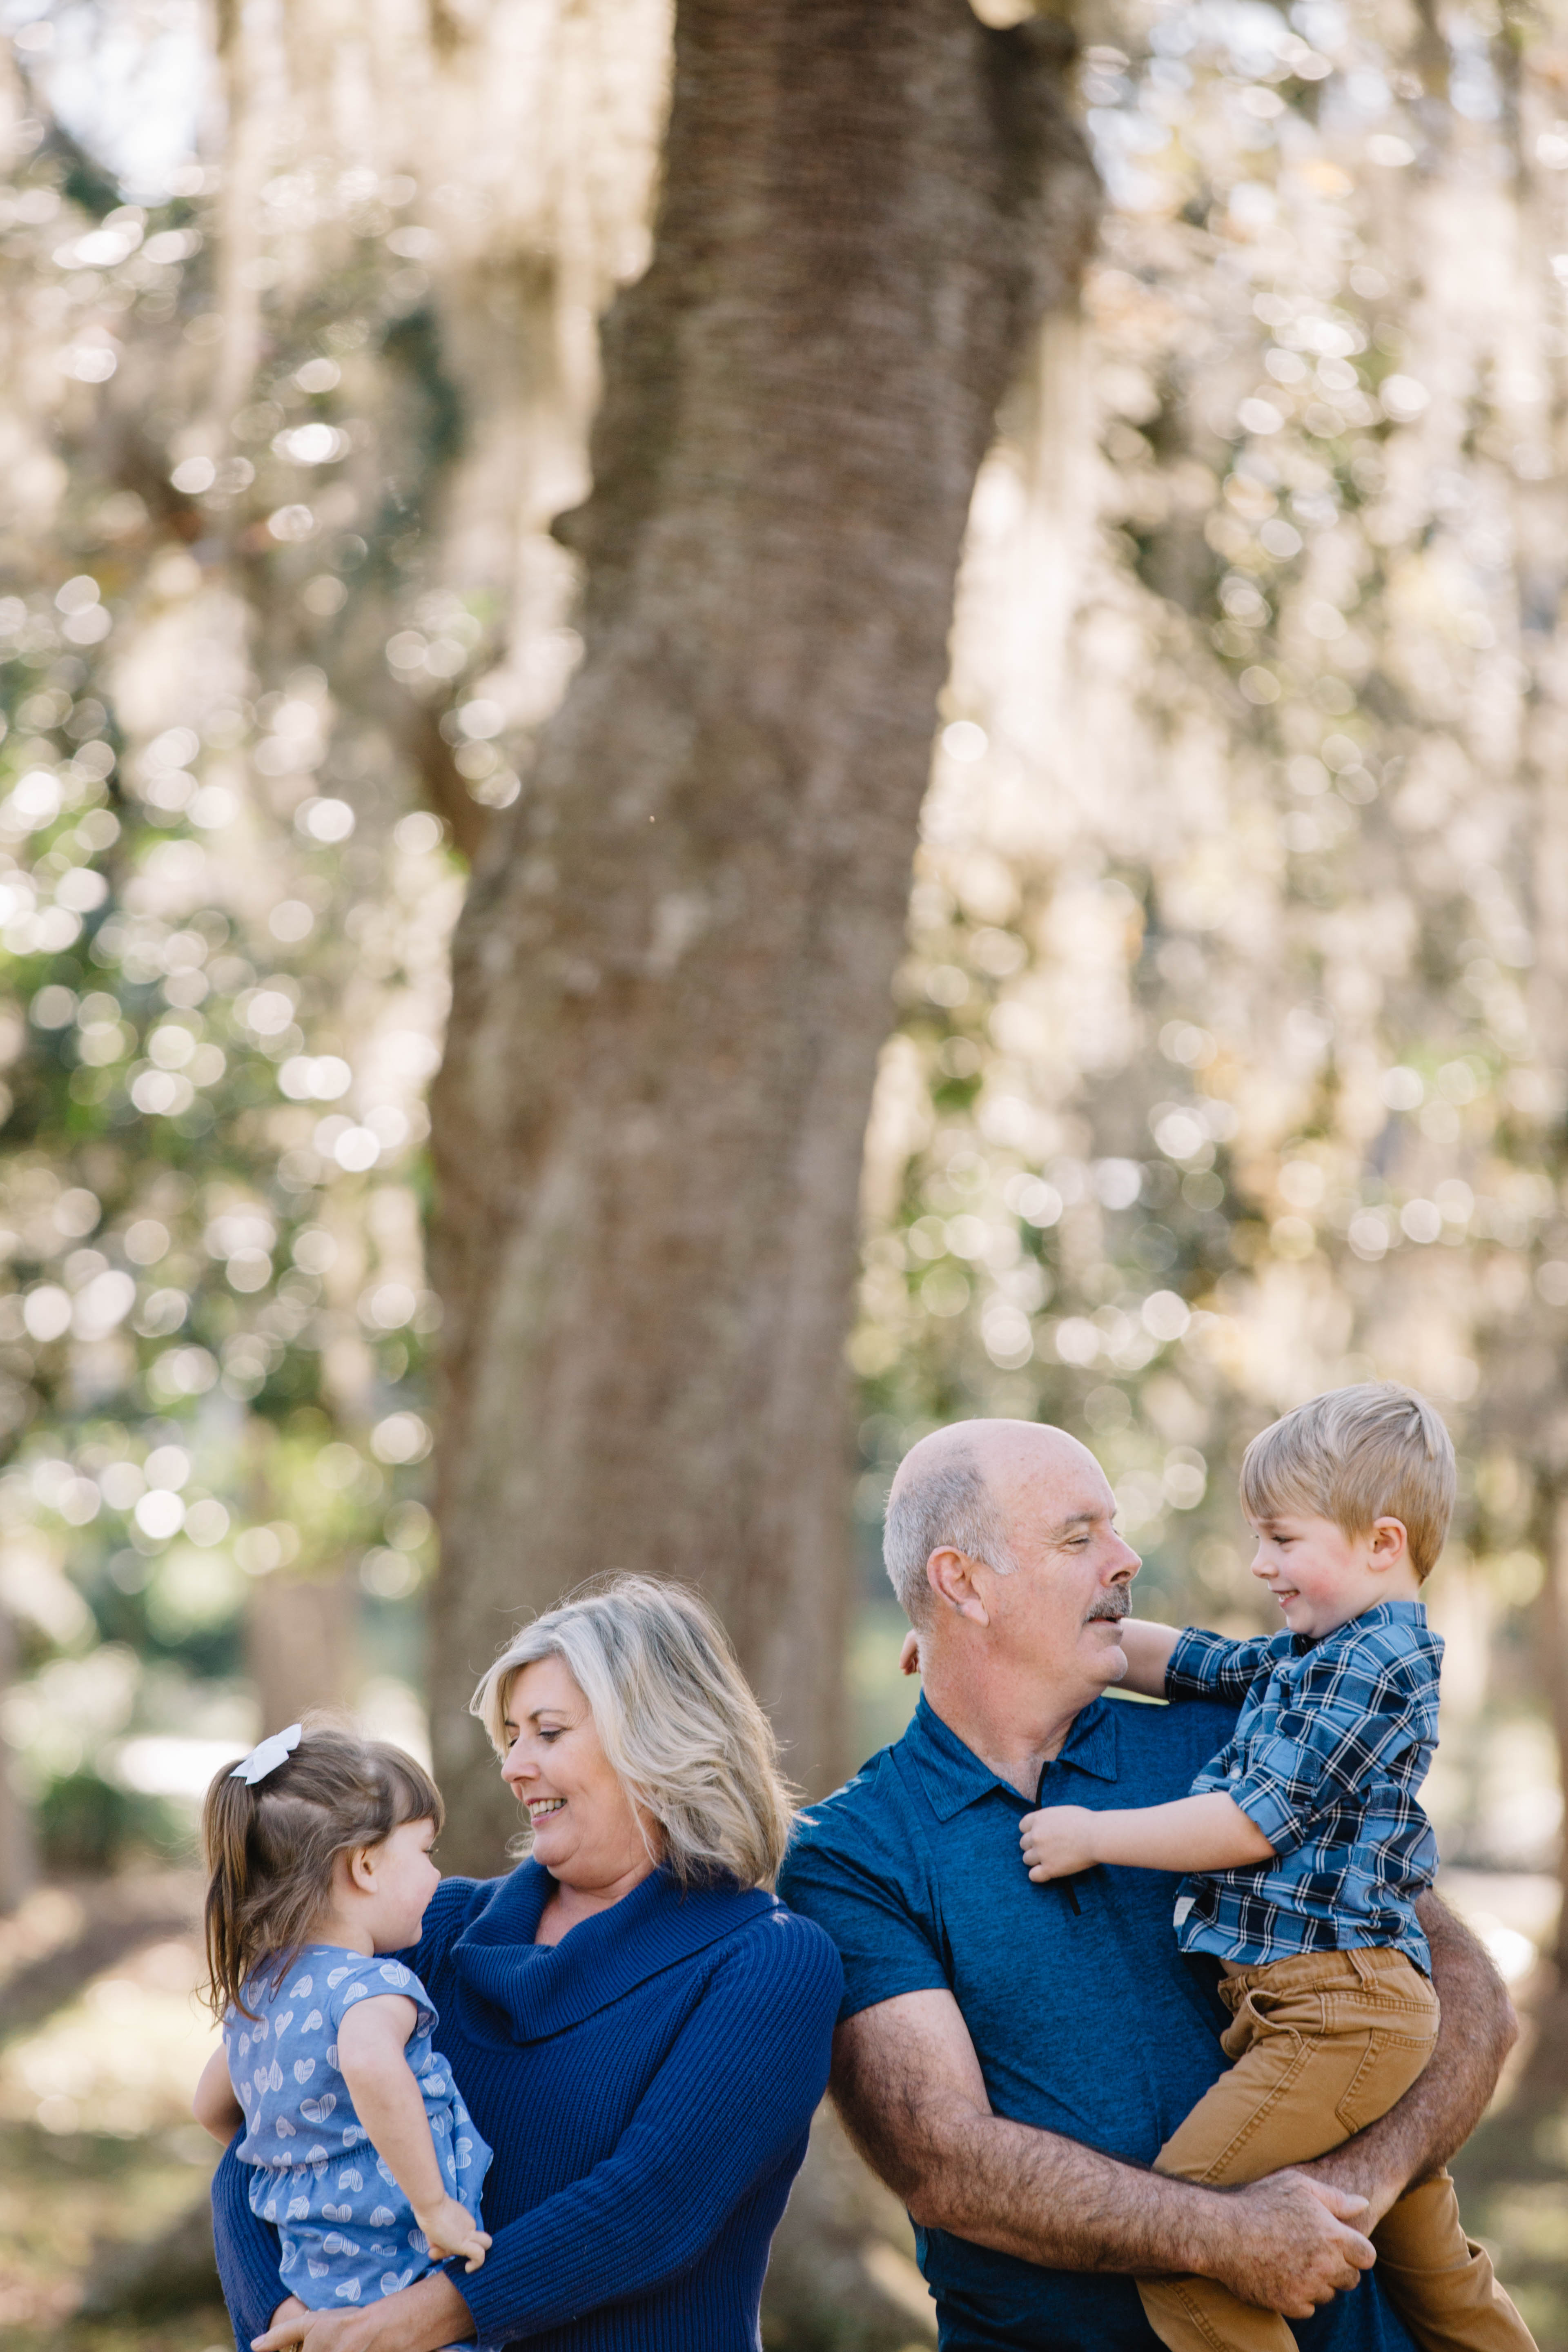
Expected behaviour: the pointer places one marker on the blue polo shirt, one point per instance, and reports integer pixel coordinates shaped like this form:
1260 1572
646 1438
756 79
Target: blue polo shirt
1086 2018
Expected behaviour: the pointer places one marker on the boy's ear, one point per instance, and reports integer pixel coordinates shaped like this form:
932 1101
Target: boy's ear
1390 1542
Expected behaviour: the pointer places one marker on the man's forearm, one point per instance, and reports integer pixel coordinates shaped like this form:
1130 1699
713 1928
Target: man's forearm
1443 2107
912 2096
1051 2201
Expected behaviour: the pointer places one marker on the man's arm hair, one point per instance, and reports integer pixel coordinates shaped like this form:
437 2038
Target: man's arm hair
1444 2104
909 2087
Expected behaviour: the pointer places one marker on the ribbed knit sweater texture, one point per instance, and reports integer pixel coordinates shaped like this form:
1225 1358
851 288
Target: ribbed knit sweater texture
647 2086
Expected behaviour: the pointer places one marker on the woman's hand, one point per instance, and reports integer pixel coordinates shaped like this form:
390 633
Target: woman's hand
283 2329
419 2319
1057 1842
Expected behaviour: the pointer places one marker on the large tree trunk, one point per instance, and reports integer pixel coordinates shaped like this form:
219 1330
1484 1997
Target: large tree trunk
672 974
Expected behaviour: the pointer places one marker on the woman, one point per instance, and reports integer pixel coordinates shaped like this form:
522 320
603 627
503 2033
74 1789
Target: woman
640 2030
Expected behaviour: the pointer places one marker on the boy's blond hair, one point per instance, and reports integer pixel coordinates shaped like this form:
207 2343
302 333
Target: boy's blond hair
1358 1455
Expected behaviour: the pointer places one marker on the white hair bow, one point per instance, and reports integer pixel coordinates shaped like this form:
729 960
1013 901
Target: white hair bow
267 1757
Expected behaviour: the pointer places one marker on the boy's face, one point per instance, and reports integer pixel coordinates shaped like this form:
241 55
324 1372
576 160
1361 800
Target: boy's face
1321 1578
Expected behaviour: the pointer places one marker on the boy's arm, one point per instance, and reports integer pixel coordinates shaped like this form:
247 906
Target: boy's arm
1194 1833
214 2106
387 2099
1147 1648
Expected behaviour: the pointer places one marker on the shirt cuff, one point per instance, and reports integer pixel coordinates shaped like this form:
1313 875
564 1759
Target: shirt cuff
1263 1802
1192 1669
884 1984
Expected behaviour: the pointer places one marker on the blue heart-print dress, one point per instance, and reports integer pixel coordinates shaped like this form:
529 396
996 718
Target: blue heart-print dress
348 2230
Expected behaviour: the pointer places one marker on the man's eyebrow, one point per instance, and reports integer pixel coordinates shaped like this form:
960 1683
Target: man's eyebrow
1077 1520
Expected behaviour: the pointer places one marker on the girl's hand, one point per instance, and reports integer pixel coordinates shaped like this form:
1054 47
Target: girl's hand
909 1655
1057 1842
452 2230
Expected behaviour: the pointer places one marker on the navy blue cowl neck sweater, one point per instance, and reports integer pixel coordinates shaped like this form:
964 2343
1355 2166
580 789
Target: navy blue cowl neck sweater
647 2083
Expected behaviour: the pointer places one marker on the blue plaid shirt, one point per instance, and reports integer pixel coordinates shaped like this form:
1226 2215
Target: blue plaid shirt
1331 1747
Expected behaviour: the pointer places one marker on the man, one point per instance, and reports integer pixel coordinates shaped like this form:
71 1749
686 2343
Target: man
1010 2057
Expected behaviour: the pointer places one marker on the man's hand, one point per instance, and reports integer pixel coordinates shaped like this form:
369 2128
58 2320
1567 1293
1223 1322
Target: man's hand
1288 2244
1057 1842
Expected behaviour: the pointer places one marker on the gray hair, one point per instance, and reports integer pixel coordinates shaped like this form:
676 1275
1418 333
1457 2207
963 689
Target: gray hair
675 1716
931 1508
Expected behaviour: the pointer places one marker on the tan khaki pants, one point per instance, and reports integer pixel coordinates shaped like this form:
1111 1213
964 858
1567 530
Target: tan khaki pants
1324 2044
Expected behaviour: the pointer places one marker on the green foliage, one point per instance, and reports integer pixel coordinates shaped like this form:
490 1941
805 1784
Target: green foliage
87 1823
1231 1059
222 918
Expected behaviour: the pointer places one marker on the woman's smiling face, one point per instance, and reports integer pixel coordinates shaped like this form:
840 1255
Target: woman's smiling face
585 1832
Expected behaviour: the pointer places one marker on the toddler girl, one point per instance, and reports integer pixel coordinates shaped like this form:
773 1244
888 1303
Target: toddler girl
317 1846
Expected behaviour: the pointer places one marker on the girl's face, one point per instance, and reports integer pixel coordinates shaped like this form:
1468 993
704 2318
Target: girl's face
398 1877
585 1829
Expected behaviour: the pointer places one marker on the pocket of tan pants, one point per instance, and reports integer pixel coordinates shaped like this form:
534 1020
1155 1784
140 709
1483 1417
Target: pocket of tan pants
1400 2038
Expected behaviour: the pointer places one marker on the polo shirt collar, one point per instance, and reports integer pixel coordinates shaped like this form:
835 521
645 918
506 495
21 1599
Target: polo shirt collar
953 1776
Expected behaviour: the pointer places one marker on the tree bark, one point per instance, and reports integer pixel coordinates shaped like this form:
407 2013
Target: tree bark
672 974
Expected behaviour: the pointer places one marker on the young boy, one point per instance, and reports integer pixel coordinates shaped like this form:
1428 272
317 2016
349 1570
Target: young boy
1304 1848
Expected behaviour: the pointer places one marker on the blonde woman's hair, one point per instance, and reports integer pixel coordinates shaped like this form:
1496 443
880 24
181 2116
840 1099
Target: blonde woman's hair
1355 1455
269 1848
677 1719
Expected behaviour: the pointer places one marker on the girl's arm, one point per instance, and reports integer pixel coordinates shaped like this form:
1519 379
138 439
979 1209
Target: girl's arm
388 2102
214 2106
1147 1648
1194 1833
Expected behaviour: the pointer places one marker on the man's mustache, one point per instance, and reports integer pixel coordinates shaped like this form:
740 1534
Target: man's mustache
1117 1603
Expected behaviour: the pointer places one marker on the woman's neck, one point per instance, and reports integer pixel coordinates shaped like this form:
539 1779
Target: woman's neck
566 1906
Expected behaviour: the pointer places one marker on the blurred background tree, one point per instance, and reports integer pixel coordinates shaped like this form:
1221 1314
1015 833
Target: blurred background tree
1229 1041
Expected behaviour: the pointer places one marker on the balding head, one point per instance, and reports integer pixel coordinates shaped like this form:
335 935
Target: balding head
961 1488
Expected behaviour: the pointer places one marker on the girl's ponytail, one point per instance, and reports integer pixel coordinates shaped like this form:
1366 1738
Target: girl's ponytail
228 1819
270 1847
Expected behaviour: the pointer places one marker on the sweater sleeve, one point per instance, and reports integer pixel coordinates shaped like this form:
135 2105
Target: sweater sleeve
248 2252
734 2095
